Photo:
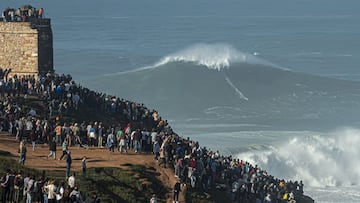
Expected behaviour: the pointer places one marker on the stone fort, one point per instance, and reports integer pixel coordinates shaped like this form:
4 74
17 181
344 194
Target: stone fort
26 47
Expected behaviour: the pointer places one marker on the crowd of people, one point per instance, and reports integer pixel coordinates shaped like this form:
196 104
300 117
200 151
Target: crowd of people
137 129
20 187
23 14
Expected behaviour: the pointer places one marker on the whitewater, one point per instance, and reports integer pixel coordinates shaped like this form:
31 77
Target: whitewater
273 82
328 163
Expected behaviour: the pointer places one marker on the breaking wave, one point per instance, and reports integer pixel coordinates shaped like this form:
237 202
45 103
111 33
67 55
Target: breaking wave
318 160
213 56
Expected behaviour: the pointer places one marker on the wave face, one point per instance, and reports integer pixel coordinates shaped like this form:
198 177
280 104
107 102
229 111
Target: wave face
318 160
218 83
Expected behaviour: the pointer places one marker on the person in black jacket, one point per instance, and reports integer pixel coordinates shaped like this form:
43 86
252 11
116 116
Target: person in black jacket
177 190
52 148
68 164
5 186
10 195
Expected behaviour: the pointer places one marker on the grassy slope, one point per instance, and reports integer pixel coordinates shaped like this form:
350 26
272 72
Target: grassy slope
136 184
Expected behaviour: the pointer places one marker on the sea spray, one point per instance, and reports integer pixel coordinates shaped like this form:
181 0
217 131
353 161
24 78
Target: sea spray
318 160
214 56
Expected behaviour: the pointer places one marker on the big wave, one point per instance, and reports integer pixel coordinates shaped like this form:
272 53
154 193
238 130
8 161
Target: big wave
214 56
318 160
266 95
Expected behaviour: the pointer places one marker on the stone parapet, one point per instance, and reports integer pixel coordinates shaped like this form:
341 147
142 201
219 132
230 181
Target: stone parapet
26 47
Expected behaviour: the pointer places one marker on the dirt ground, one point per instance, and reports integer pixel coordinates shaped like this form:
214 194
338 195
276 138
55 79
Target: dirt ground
96 157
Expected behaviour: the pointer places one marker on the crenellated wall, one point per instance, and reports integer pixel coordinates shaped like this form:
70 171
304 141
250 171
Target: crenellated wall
26 47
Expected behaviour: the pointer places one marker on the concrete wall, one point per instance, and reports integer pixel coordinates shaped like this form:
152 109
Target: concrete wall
26 47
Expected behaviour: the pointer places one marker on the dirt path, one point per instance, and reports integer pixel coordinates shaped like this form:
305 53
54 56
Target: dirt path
96 157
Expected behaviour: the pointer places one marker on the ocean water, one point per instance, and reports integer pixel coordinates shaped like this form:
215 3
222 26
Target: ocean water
273 82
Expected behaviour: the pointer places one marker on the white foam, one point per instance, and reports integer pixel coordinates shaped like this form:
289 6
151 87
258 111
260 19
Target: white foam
213 56
319 160
238 92
130 71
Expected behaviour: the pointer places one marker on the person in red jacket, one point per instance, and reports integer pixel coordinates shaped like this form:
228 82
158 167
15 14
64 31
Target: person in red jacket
40 13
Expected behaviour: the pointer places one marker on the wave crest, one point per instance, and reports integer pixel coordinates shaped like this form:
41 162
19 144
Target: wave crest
213 56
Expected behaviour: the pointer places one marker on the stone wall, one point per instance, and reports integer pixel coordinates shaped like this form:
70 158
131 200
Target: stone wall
26 47
45 45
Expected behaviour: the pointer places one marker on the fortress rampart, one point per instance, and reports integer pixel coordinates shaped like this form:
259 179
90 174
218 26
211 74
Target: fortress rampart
26 47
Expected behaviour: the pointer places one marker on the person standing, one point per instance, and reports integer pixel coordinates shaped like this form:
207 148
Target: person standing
64 150
25 184
28 127
92 135
19 128
111 142
52 148
38 193
60 195
83 164
137 139
50 188
29 190
5 186
145 135
58 133
66 196
100 133
156 150
18 184
121 141
75 195
40 13
10 196
22 150
68 164
71 182
177 190
33 139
